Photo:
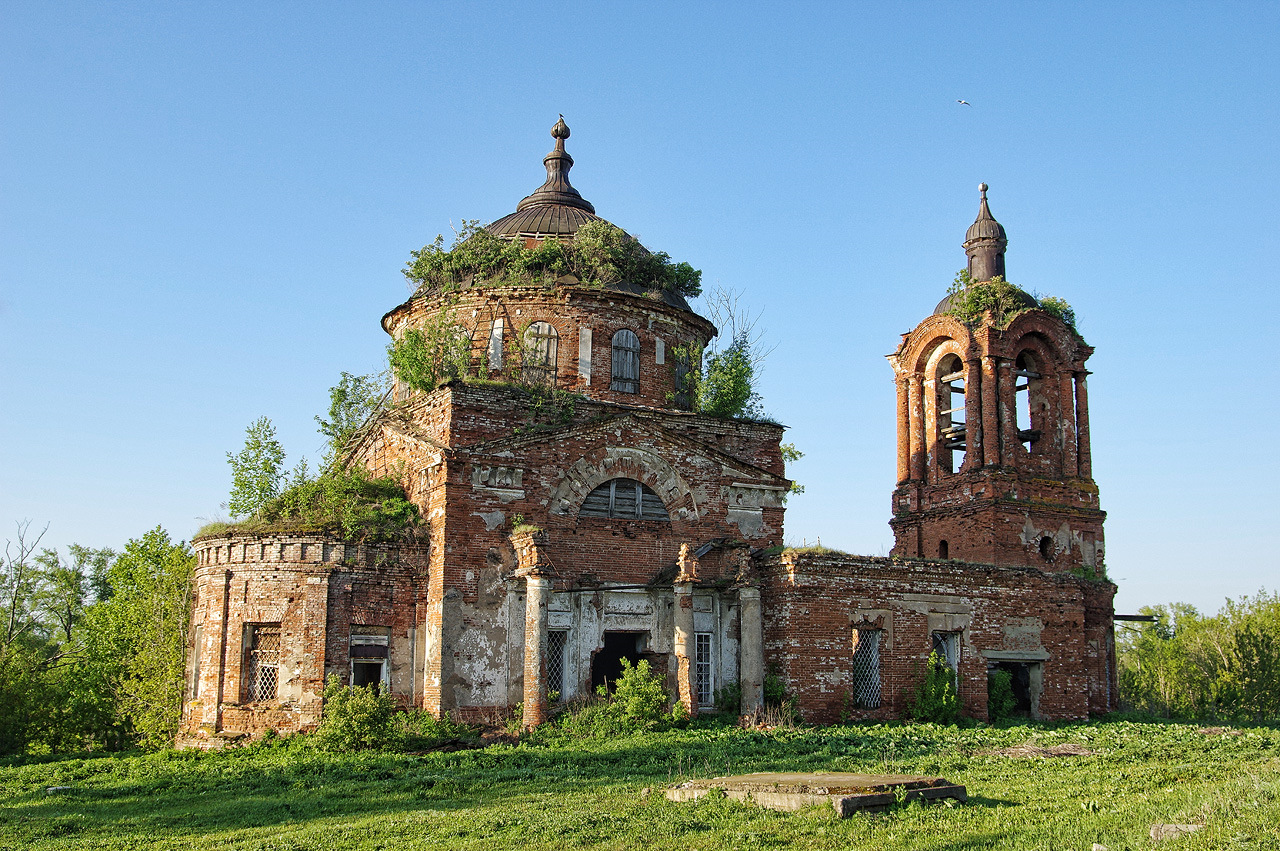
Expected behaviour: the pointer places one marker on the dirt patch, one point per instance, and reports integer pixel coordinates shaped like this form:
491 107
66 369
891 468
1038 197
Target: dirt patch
1029 751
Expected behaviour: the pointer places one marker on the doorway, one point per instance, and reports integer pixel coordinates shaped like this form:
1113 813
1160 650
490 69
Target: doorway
606 665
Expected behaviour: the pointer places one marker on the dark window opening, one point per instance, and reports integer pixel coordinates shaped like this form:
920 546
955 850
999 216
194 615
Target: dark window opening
1019 682
626 362
944 549
369 650
1046 548
606 665
366 674
952 433
623 499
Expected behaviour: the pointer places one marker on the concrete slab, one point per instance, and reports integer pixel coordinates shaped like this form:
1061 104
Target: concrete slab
846 792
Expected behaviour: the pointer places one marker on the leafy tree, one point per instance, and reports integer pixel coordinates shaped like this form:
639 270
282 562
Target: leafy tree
256 470
136 640
351 402
423 358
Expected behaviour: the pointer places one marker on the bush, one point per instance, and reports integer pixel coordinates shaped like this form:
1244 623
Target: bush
1000 699
729 697
936 699
638 696
600 254
357 719
423 731
350 504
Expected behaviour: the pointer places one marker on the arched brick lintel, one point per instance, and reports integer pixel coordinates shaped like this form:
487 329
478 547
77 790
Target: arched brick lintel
615 462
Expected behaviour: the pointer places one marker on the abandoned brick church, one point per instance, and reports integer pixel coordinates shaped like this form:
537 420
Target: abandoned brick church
632 528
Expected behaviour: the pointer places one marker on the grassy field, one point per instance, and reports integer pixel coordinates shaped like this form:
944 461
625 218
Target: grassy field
588 793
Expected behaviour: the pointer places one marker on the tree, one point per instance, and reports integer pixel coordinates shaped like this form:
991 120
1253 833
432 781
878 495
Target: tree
351 402
136 640
721 381
256 470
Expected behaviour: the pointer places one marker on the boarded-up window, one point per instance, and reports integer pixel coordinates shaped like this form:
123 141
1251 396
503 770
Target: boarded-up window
626 362
865 692
540 343
682 378
263 661
623 499
557 648
704 673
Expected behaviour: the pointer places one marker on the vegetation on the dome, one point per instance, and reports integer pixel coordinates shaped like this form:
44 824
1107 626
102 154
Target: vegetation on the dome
600 254
972 300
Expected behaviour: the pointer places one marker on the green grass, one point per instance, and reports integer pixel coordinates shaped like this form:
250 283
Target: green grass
563 793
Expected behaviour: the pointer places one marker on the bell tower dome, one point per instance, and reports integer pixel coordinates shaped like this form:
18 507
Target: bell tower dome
993 426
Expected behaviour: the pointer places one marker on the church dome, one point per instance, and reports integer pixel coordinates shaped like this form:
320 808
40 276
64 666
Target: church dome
554 209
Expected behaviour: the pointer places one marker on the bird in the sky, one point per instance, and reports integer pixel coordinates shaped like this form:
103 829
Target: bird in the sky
965 102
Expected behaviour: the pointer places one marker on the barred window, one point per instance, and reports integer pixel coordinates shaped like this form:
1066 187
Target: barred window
540 343
557 648
866 668
626 362
263 661
702 668
623 499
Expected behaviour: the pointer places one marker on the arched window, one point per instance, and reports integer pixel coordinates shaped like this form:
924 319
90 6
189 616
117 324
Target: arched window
623 499
951 425
540 342
1029 375
626 362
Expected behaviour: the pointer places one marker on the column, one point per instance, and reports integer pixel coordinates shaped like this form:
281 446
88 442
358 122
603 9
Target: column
1066 397
1082 426
1007 405
750 649
974 432
537 595
686 685
904 429
990 413
916 424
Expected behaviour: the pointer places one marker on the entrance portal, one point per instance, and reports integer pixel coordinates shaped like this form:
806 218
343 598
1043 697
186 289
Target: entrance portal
1024 681
606 665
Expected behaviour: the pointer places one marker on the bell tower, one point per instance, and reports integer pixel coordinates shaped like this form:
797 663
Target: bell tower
993 425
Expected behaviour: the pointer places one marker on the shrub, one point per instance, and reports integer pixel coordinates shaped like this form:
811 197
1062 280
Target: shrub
729 697
638 695
357 718
600 254
935 698
1000 699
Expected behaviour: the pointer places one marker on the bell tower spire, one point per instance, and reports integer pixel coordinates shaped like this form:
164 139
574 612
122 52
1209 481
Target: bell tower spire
985 243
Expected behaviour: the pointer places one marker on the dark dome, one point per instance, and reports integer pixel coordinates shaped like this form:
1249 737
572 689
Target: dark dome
553 209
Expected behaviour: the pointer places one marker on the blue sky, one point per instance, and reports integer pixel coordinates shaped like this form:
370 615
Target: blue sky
204 208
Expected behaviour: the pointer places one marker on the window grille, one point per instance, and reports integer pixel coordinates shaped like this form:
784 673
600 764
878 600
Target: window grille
264 661
947 645
626 362
623 499
702 668
866 668
540 343
557 647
